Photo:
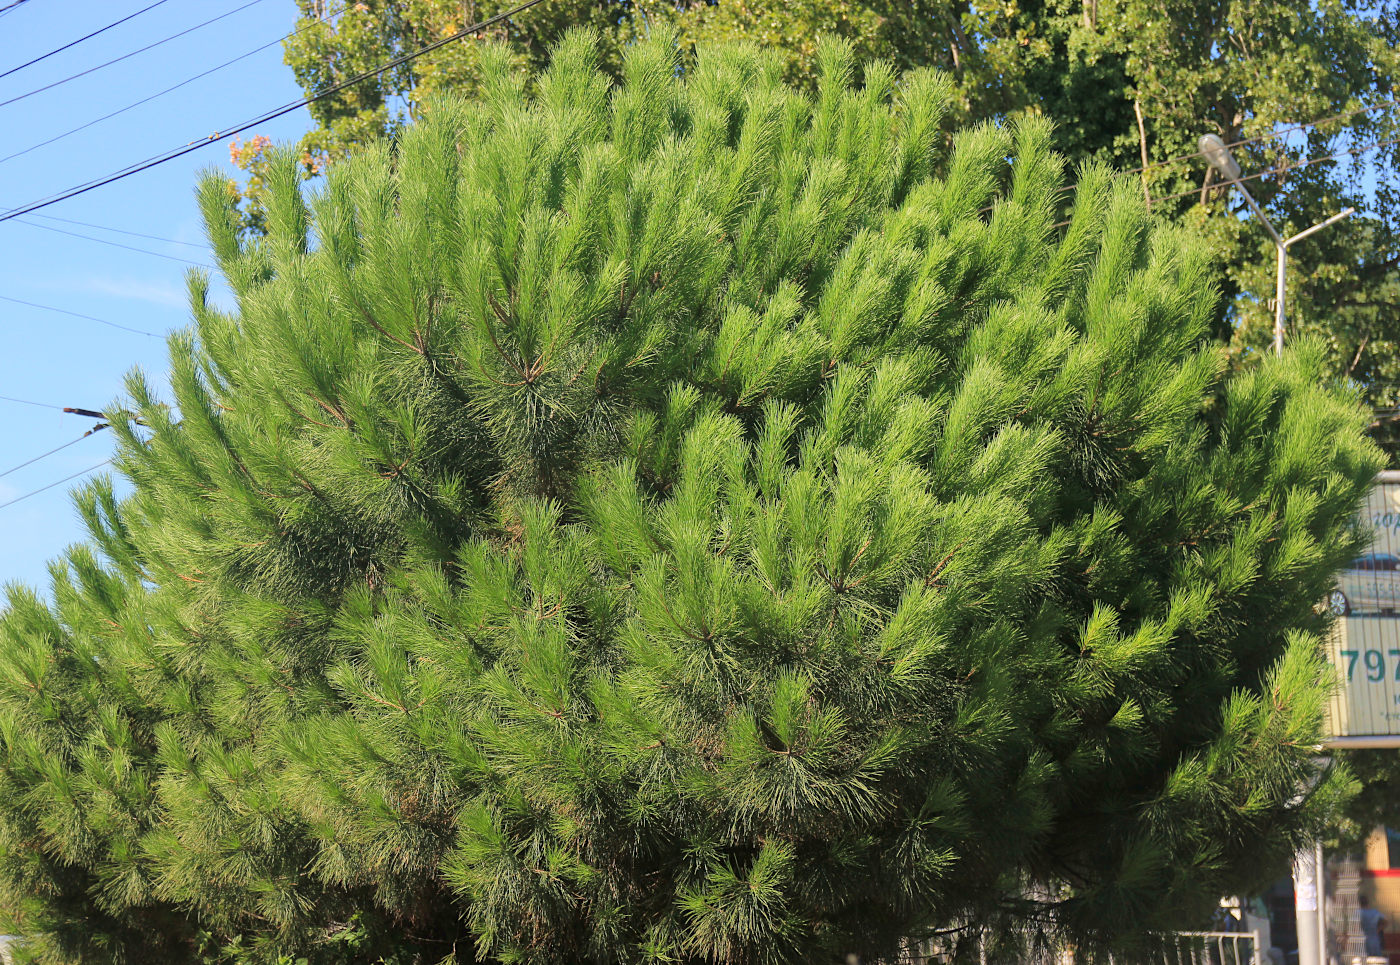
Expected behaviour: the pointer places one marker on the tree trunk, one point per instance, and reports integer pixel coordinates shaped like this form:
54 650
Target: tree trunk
1142 147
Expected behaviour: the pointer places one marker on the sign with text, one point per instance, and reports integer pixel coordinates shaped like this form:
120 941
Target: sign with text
1365 642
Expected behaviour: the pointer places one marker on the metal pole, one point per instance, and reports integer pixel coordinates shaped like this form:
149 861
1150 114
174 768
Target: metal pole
1307 863
1389 741
1281 245
1321 903
1307 866
1281 289
1305 905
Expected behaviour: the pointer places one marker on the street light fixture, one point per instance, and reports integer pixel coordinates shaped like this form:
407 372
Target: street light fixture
1220 158
1307 863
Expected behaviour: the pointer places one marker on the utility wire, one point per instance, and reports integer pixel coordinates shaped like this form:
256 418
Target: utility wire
45 455
1272 135
1286 167
35 492
171 155
114 244
74 43
42 405
126 56
10 6
90 318
1281 169
174 87
121 231
1249 140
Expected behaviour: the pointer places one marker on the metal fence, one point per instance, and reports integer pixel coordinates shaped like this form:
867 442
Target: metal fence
1178 948
1210 948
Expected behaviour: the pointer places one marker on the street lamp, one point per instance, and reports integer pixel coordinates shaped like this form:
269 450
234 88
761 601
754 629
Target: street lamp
1308 884
1220 158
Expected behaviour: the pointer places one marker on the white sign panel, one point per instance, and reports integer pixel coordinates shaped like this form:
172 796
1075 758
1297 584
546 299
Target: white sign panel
1365 642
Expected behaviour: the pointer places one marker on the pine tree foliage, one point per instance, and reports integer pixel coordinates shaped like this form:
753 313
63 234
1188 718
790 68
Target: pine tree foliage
681 520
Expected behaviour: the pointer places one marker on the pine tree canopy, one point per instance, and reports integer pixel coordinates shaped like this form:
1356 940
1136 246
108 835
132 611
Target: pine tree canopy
683 520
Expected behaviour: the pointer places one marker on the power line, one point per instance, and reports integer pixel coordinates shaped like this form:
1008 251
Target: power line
1271 136
35 492
1286 167
73 43
45 455
90 318
117 60
171 155
42 405
120 231
1249 140
10 6
115 244
174 87
1281 169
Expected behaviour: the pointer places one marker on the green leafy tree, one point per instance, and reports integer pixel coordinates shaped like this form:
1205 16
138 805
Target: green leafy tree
682 520
1127 82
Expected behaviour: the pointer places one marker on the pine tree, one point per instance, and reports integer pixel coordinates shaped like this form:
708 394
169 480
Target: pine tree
684 520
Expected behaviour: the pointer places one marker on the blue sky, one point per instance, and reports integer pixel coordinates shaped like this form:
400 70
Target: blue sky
61 360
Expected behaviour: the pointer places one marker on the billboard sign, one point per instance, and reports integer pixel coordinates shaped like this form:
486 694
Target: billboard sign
1365 642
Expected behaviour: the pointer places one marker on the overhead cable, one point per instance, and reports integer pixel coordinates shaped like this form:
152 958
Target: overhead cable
90 318
45 455
1287 166
127 56
1271 135
121 231
1283 167
173 87
42 405
114 244
74 43
171 155
1280 169
174 153
35 492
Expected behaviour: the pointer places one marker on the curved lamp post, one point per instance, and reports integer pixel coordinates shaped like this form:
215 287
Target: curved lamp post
1308 882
